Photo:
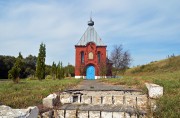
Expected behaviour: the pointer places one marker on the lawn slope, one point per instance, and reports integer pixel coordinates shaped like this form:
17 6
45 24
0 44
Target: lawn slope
165 73
170 64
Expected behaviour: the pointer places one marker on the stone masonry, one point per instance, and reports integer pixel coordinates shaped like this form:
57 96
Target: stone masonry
97 100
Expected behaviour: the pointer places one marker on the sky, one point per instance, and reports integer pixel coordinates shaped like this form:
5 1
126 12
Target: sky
148 29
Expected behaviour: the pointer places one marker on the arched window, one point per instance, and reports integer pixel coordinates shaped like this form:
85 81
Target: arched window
82 57
99 56
90 55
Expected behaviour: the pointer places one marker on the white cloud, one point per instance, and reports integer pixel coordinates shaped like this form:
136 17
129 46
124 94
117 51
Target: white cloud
24 25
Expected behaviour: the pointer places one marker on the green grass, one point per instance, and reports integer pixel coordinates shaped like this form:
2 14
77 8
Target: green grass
167 65
169 103
165 73
31 92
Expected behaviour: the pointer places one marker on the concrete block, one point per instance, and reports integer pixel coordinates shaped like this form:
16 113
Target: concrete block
118 99
70 114
118 114
8 112
142 101
32 112
59 114
86 99
96 100
82 114
50 100
105 114
94 114
107 100
154 90
66 98
130 100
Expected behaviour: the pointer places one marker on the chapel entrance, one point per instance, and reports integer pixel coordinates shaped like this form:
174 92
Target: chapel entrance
90 72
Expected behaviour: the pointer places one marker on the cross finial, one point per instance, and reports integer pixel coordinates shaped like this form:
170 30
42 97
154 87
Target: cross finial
91 22
91 16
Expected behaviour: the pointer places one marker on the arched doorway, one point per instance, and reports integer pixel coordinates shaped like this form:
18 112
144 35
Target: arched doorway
90 72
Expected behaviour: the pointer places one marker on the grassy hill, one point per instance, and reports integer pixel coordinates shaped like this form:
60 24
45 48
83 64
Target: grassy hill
165 73
171 64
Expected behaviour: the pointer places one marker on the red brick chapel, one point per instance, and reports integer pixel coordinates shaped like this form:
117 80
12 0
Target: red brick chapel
91 61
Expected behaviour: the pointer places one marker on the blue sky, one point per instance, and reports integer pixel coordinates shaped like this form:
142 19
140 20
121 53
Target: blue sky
149 29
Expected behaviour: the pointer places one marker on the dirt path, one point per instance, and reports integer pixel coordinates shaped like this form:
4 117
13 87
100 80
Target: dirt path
96 85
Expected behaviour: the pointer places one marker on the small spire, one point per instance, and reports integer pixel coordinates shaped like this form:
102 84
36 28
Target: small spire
91 22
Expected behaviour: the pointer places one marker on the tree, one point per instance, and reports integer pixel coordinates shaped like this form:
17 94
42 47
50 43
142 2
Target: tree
81 69
22 66
48 70
6 63
14 73
53 70
121 59
58 73
20 56
30 65
40 67
61 71
69 70
103 69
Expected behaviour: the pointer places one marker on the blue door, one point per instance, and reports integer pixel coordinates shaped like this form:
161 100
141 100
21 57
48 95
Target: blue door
90 72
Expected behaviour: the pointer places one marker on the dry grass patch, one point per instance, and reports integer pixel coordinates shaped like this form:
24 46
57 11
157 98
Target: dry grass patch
169 104
31 92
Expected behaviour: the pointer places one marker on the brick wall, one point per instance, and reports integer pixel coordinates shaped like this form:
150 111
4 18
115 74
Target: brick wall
89 47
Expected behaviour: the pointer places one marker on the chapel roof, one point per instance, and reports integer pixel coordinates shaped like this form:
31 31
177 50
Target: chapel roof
90 35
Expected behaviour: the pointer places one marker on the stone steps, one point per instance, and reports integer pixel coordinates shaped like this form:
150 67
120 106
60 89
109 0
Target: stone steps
102 104
97 100
98 111
133 99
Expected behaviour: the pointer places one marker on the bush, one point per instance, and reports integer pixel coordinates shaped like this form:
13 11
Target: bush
14 74
49 77
31 77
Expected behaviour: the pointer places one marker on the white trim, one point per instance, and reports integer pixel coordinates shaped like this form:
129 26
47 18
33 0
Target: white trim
79 77
99 77
96 77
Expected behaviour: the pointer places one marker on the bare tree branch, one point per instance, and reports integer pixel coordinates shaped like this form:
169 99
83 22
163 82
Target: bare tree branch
121 59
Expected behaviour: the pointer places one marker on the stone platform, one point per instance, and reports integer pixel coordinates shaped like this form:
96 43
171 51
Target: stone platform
94 99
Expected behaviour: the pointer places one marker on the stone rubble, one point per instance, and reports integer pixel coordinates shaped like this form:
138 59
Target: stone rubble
50 101
8 112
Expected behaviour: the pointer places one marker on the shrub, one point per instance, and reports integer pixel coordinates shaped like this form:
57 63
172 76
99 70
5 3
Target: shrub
48 77
14 74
